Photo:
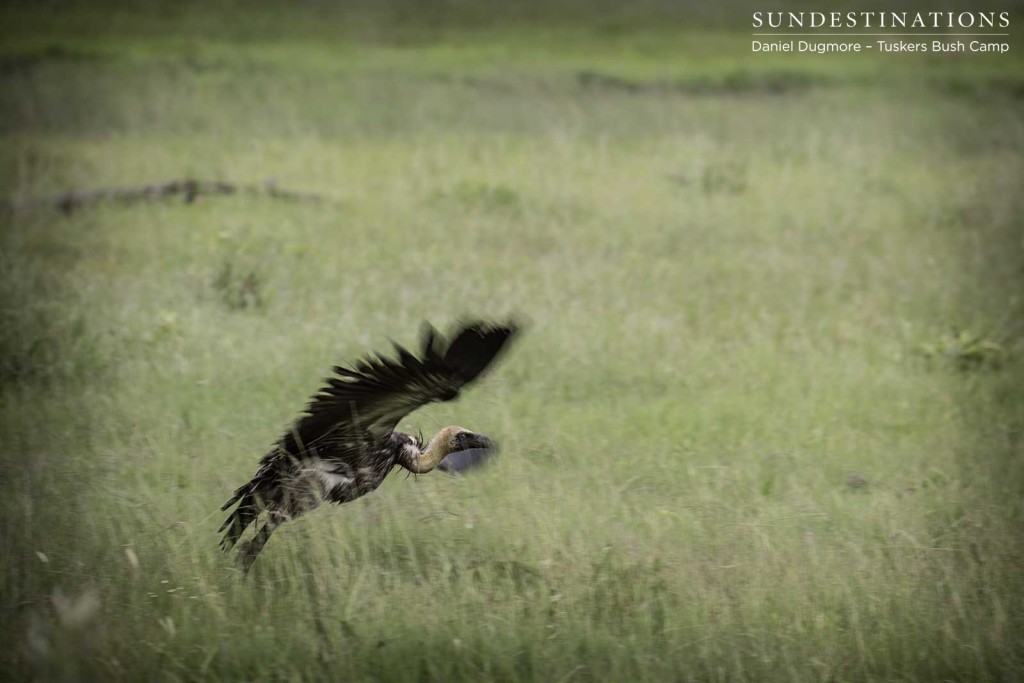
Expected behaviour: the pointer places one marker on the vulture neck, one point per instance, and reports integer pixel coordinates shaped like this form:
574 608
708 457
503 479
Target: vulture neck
430 457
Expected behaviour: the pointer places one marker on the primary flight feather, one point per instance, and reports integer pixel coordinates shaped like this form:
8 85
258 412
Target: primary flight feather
345 444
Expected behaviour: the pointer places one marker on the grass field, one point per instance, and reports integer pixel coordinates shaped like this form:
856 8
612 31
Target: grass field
765 423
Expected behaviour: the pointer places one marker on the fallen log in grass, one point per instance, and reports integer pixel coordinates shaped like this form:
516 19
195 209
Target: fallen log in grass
191 190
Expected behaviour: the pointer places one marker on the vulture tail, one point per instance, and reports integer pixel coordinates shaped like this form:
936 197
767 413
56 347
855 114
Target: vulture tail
239 520
248 551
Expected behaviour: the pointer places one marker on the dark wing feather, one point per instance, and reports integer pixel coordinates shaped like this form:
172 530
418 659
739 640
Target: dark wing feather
474 349
378 391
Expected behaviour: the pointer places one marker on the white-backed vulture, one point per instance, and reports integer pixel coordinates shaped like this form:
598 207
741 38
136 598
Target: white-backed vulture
345 444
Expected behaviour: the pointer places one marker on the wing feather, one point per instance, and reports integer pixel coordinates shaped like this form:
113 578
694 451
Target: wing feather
377 391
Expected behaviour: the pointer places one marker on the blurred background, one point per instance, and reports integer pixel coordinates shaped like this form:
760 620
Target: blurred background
765 422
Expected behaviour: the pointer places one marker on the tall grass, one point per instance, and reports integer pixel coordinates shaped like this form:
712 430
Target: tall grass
739 439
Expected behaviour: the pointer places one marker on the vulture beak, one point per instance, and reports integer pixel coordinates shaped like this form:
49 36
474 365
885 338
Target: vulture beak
467 440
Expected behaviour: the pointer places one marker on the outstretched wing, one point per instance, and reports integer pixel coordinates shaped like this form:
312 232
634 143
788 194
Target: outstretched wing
371 397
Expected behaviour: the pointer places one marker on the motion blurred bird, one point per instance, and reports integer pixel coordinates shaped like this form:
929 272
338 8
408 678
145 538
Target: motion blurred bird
345 444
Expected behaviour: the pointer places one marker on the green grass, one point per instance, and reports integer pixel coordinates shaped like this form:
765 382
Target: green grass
765 422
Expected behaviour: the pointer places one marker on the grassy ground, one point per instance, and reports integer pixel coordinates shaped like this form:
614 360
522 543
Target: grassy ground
765 424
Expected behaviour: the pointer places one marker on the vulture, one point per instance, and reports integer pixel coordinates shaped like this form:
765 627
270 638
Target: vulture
345 443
